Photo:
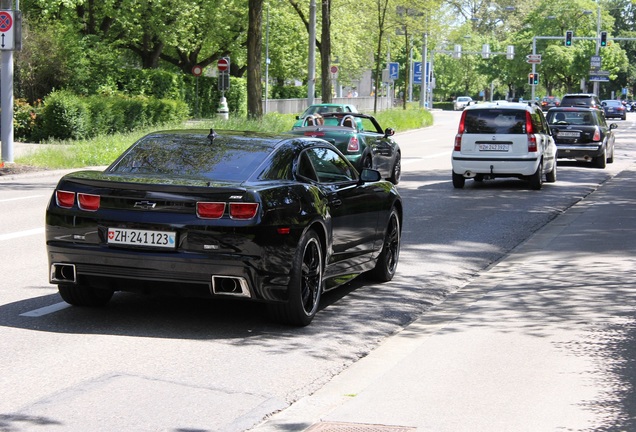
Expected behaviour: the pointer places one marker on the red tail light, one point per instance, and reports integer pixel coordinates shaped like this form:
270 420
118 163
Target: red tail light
243 210
460 132
354 145
597 134
88 202
210 210
529 127
532 139
64 199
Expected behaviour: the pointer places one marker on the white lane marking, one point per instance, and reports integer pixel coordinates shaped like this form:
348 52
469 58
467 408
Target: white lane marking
21 198
21 234
46 310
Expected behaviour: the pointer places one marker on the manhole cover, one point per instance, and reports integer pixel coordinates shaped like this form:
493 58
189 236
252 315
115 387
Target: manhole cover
357 427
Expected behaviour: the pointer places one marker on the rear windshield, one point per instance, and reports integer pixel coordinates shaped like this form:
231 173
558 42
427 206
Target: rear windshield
575 100
570 118
495 121
193 156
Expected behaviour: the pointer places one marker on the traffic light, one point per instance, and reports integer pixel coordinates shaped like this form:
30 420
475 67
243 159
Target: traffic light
531 79
568 38
603 38
535 79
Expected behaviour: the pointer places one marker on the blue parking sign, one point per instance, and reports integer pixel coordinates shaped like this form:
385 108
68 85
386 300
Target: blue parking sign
394 68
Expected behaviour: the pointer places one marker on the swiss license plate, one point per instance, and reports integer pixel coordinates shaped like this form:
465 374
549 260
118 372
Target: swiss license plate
569 134
136 237
493 147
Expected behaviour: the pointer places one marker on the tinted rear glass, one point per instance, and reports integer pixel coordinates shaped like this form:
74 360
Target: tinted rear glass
495 121
571 118
184 155
574 100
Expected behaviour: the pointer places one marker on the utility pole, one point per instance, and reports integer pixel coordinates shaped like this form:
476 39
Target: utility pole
6 98
311 79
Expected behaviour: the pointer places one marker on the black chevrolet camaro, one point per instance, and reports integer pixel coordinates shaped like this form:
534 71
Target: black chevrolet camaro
273 218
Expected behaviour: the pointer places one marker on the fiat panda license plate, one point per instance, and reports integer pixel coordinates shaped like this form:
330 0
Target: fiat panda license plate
494 147
135 237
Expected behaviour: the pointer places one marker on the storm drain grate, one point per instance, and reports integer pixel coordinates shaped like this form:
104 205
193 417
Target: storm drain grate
357 427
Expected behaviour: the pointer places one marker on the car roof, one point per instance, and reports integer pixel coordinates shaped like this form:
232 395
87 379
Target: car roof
504 105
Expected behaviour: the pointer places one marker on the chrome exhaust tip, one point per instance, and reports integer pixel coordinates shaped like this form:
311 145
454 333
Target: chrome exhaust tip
63 273
230 286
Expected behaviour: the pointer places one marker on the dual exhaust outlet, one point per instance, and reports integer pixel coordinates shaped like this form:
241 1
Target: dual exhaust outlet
221 285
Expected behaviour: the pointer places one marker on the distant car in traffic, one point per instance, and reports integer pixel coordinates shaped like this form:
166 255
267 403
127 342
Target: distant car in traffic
614 109
461 102
361 139
509 139
276 219
323 108
582 134
550 102
581 99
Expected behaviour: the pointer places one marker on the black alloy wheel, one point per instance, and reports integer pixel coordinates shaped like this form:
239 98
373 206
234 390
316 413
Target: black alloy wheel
387 262
305 285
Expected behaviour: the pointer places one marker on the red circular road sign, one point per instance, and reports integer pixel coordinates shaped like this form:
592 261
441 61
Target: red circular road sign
5 21
197 70
334 69
223 64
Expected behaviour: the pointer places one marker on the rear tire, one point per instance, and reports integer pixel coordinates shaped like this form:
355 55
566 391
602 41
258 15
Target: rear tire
601 161
536 179
305 284
551 177
458 181
396 172
83 295
388 259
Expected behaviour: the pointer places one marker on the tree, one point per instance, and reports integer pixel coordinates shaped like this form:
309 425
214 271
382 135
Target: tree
254 49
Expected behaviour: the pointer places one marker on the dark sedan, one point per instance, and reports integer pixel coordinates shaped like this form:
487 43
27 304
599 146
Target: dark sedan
361 139
614 109
276 219
550 102
582 134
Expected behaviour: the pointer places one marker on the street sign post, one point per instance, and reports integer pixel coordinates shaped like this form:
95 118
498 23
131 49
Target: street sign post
394 68
417 72
533 58
6 30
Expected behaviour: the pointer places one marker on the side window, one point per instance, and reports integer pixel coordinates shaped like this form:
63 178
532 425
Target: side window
305 168
329 166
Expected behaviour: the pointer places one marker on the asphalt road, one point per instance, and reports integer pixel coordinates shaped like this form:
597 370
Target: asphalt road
169 364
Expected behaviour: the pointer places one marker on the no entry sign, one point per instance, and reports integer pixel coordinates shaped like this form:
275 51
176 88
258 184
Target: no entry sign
223 65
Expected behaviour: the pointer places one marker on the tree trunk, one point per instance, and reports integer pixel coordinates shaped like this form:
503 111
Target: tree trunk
254 48
325 52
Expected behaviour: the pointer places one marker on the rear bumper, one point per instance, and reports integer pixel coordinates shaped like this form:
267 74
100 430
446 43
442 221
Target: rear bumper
574 151
182 273
502 167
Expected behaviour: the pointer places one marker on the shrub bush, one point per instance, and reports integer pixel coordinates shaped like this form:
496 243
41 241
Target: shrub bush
64 116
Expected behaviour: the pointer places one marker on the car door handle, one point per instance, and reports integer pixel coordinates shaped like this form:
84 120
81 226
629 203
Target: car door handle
336 202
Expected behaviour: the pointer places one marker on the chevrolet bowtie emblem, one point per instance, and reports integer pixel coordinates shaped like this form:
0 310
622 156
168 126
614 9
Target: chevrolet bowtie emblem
146 205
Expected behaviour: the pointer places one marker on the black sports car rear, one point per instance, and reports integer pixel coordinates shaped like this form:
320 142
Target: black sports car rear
277 219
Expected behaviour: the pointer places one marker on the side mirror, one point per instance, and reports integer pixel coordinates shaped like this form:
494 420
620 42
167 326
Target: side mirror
297 117
389 132
613 126
370 175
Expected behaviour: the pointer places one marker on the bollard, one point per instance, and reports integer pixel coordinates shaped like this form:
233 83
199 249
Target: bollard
223 111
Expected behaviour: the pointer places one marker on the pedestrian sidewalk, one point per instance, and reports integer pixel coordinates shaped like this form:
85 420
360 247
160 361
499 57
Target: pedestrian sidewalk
544 340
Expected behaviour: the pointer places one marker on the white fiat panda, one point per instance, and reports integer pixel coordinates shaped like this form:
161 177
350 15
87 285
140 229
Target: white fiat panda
504 139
